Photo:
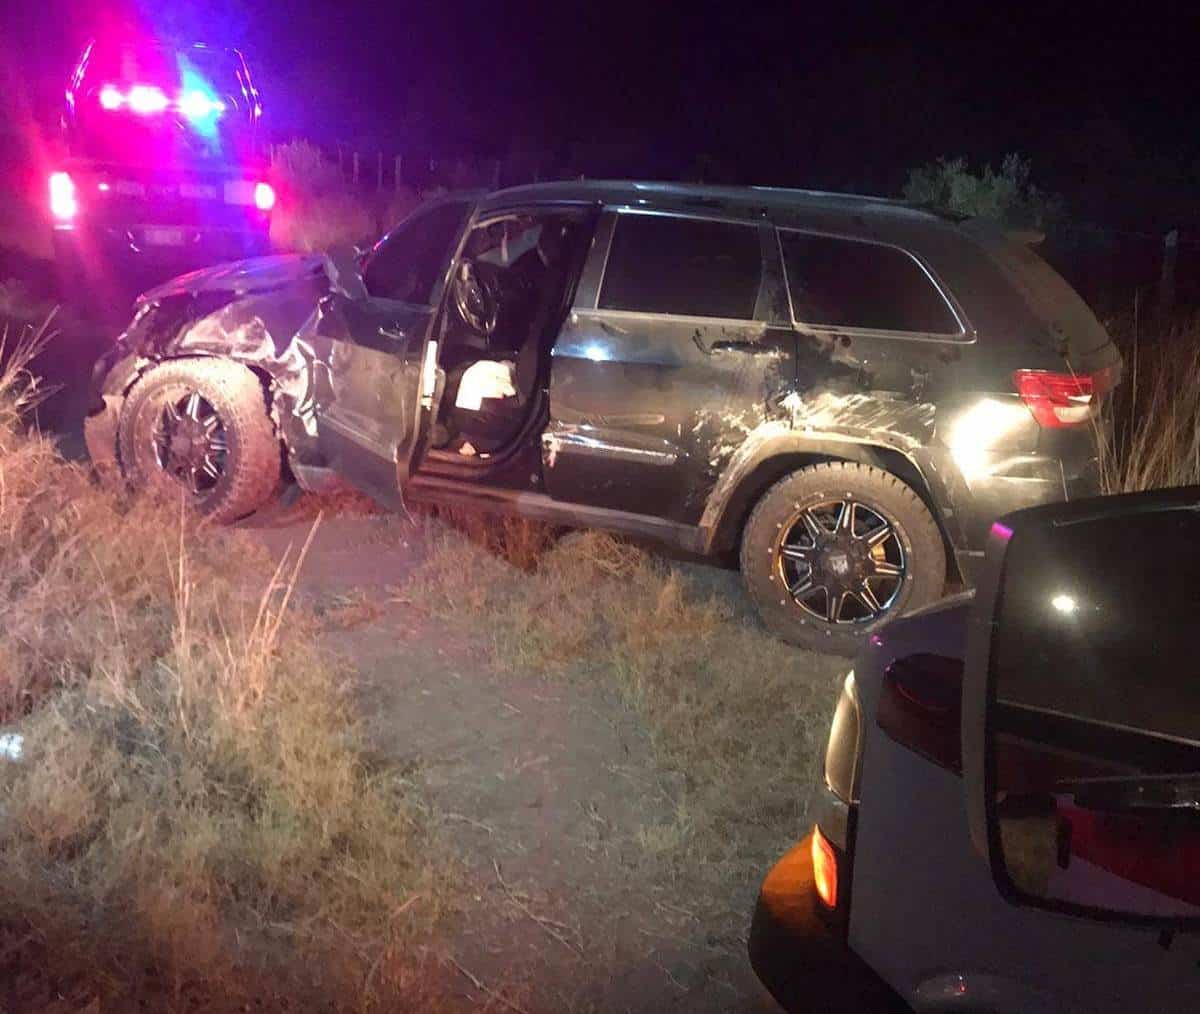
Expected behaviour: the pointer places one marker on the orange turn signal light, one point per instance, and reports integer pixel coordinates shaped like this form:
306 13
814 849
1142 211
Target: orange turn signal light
825 869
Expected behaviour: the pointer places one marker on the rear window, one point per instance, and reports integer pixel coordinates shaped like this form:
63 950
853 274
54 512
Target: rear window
683 266
846 283
164 106
1044 290
215 71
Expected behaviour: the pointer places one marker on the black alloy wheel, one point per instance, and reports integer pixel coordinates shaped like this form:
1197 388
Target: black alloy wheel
841 561
190 443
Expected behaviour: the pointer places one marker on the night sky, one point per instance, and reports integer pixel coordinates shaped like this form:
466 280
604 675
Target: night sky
841 95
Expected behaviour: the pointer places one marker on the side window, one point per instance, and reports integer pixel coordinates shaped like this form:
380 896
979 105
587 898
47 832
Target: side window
844 283
407 263
684 266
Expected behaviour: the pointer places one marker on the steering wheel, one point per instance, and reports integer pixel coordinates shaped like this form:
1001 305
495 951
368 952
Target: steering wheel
476 298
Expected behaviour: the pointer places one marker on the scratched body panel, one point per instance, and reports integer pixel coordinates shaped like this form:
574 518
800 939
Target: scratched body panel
647 410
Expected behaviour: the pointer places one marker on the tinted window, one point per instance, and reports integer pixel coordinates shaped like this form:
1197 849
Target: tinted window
684 266
843 283
408 263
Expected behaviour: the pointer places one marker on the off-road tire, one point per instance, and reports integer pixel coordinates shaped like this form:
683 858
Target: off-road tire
917 531
253 461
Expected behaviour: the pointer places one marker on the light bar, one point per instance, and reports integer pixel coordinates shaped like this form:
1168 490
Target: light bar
196 105
147 100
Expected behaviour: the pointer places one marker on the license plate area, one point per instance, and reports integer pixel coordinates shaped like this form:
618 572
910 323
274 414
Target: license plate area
158 236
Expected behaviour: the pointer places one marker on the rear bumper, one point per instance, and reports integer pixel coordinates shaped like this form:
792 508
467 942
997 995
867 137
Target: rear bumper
96 243
804 963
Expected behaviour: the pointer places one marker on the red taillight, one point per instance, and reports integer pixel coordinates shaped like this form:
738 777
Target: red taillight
264 196
1062 400
63 202
825 869
920 707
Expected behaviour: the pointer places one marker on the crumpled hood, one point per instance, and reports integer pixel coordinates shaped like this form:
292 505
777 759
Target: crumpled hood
253 275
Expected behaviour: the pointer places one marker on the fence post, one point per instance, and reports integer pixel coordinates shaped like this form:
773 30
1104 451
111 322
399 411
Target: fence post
496 174
379 171
398 177
1166 281
354 162
341 164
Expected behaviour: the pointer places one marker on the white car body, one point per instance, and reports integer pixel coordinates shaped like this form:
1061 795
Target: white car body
924 914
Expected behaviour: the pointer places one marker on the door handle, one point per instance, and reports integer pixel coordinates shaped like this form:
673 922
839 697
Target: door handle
396 336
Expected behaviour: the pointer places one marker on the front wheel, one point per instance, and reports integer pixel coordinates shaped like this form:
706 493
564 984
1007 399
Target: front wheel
833 551
202 425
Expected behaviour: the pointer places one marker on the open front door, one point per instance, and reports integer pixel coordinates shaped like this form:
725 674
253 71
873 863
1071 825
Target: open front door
377 354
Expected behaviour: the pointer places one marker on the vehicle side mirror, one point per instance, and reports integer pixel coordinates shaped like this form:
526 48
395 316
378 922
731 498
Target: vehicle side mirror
343 265
1081 708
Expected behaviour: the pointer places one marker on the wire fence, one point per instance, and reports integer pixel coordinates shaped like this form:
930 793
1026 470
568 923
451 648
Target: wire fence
1107 265
381 171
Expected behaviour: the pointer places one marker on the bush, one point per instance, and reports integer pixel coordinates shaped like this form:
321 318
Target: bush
299 167
1007 196
314 224
196 819
316 208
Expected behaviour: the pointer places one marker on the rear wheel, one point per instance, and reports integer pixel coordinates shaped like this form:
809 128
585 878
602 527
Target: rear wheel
833 551
201 425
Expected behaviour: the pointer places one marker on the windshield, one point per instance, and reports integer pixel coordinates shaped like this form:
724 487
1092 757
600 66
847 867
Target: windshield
155 105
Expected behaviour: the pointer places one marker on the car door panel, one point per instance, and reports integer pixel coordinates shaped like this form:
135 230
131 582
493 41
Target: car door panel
370 375
646 409
376 356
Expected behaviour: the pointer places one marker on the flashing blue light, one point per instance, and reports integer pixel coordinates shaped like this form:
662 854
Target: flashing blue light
197 105
197 100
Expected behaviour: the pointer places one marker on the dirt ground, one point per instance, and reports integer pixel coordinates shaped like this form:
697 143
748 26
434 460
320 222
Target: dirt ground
541 789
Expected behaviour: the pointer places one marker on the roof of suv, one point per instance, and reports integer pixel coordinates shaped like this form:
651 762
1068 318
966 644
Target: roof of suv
734 202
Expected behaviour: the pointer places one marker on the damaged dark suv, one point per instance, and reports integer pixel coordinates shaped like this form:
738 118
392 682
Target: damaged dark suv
844 390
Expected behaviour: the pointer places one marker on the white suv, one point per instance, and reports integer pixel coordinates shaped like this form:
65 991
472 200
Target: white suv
1008 817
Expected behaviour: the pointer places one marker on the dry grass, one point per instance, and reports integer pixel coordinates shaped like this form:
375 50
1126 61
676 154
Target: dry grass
1156 413
195 822
316 208
737 716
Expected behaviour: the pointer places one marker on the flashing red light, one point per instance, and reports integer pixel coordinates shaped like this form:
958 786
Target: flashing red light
64 204
111 98
146 100
1062 400
264 196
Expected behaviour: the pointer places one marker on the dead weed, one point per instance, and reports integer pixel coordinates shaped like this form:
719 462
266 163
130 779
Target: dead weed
194 821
